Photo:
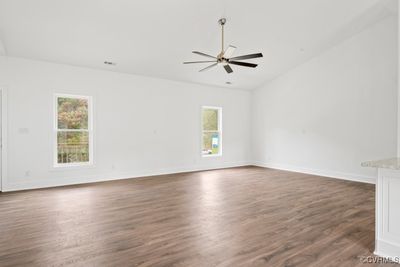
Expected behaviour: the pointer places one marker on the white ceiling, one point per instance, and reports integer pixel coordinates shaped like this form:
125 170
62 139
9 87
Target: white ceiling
154 37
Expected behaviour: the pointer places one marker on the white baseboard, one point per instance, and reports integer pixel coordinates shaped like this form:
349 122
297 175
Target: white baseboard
45 183
318 172
37 183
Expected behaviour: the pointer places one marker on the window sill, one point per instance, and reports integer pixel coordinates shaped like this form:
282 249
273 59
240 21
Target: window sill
211 156
71 167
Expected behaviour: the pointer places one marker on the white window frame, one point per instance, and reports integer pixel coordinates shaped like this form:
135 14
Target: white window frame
219 131
56 130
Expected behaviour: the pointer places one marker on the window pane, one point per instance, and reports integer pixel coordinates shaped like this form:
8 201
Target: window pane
210 119
72 113
211 143
73 147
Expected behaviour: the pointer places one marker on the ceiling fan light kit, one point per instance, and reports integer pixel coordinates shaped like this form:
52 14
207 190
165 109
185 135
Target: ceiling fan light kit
224 58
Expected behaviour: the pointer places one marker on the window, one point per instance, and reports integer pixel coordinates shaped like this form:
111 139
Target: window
73 130
211 131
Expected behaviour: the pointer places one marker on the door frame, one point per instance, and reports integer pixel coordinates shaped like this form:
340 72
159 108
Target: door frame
3 176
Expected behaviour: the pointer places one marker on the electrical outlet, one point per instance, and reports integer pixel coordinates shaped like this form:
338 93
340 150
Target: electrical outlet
23 130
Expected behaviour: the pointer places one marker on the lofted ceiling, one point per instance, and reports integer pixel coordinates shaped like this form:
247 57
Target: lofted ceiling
154 37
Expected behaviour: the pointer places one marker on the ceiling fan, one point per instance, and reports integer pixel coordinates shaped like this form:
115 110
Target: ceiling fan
225 57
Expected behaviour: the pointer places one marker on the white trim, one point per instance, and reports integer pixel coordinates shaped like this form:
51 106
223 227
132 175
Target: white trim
318 172
4 126
90 130
211 155
398 80
387 250
219 109
111 176
36 183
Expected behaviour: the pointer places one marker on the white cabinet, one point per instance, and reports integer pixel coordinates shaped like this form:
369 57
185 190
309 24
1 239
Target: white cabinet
388 213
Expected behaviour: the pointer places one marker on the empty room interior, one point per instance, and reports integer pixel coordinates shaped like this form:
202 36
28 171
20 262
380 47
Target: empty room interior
199 133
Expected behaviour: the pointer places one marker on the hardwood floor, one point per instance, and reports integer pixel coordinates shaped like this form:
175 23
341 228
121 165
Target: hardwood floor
233 217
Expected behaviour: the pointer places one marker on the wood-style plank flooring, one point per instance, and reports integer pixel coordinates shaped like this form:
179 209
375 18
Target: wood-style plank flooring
233 217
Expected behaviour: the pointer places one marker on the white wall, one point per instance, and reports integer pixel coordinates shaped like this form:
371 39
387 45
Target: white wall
143 126
324 117
333 112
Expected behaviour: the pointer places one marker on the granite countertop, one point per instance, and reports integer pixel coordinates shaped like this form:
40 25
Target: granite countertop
393 163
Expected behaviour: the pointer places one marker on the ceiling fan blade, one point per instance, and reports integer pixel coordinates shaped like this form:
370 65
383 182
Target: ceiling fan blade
209 67
229 51
244 64
194 62
228 68
202 54
248 56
